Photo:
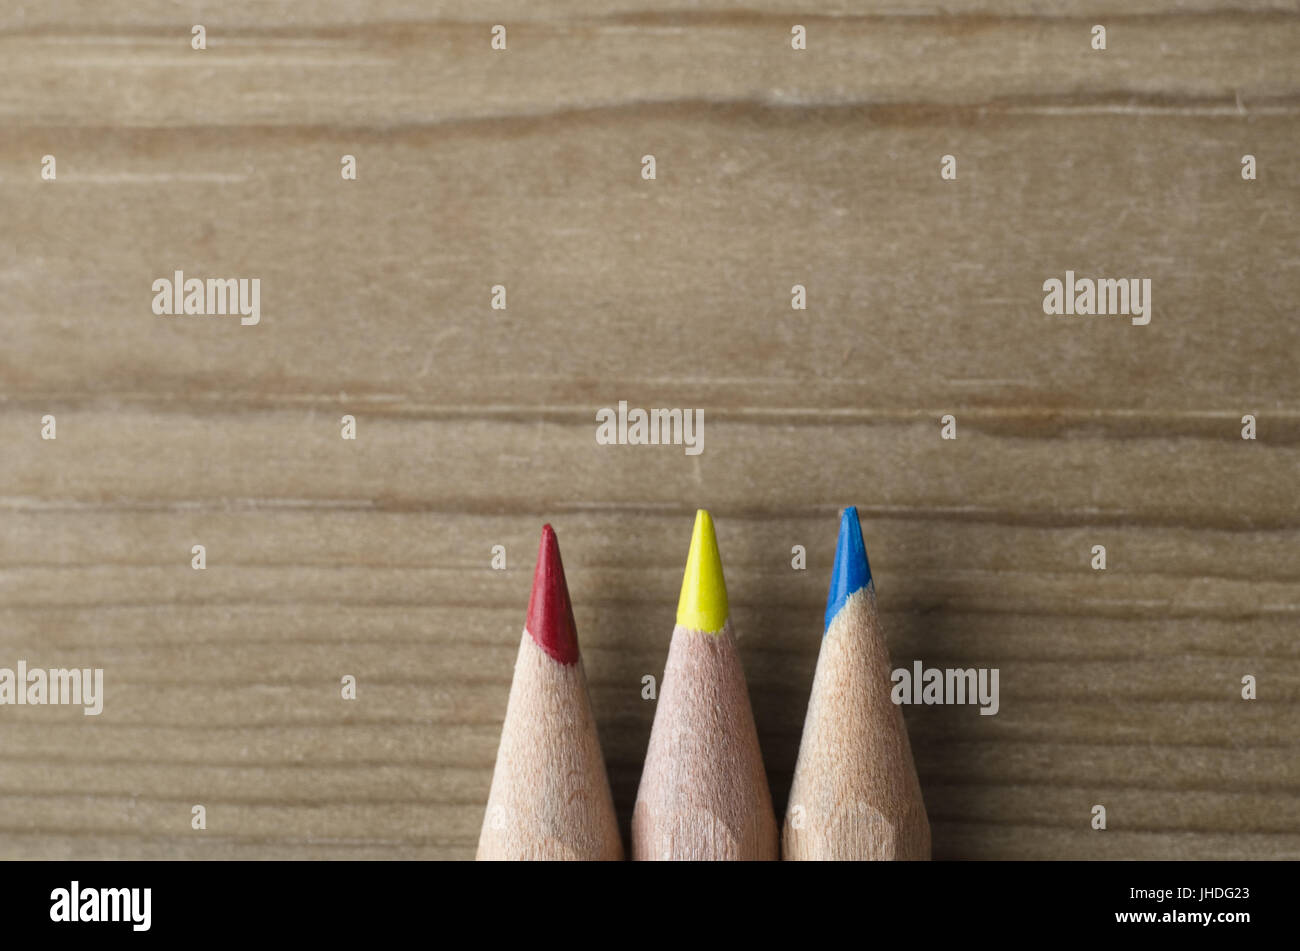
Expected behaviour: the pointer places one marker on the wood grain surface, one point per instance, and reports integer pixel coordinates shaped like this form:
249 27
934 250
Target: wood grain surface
775 167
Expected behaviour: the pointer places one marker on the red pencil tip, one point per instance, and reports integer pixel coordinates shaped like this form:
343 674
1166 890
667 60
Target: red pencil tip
550 613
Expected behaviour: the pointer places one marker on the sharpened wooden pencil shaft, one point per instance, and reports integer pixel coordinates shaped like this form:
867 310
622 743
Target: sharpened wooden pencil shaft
704 793
550 796
855 793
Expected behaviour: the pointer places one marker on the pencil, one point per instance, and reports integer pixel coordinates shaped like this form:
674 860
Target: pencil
855 793
550 795
703 792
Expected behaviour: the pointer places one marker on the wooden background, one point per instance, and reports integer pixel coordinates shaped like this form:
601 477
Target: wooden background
328 557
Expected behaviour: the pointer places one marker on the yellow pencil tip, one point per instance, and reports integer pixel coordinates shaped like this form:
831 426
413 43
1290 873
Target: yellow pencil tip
703 604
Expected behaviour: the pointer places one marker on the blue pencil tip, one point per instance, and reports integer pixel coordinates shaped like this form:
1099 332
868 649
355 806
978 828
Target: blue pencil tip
851 572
